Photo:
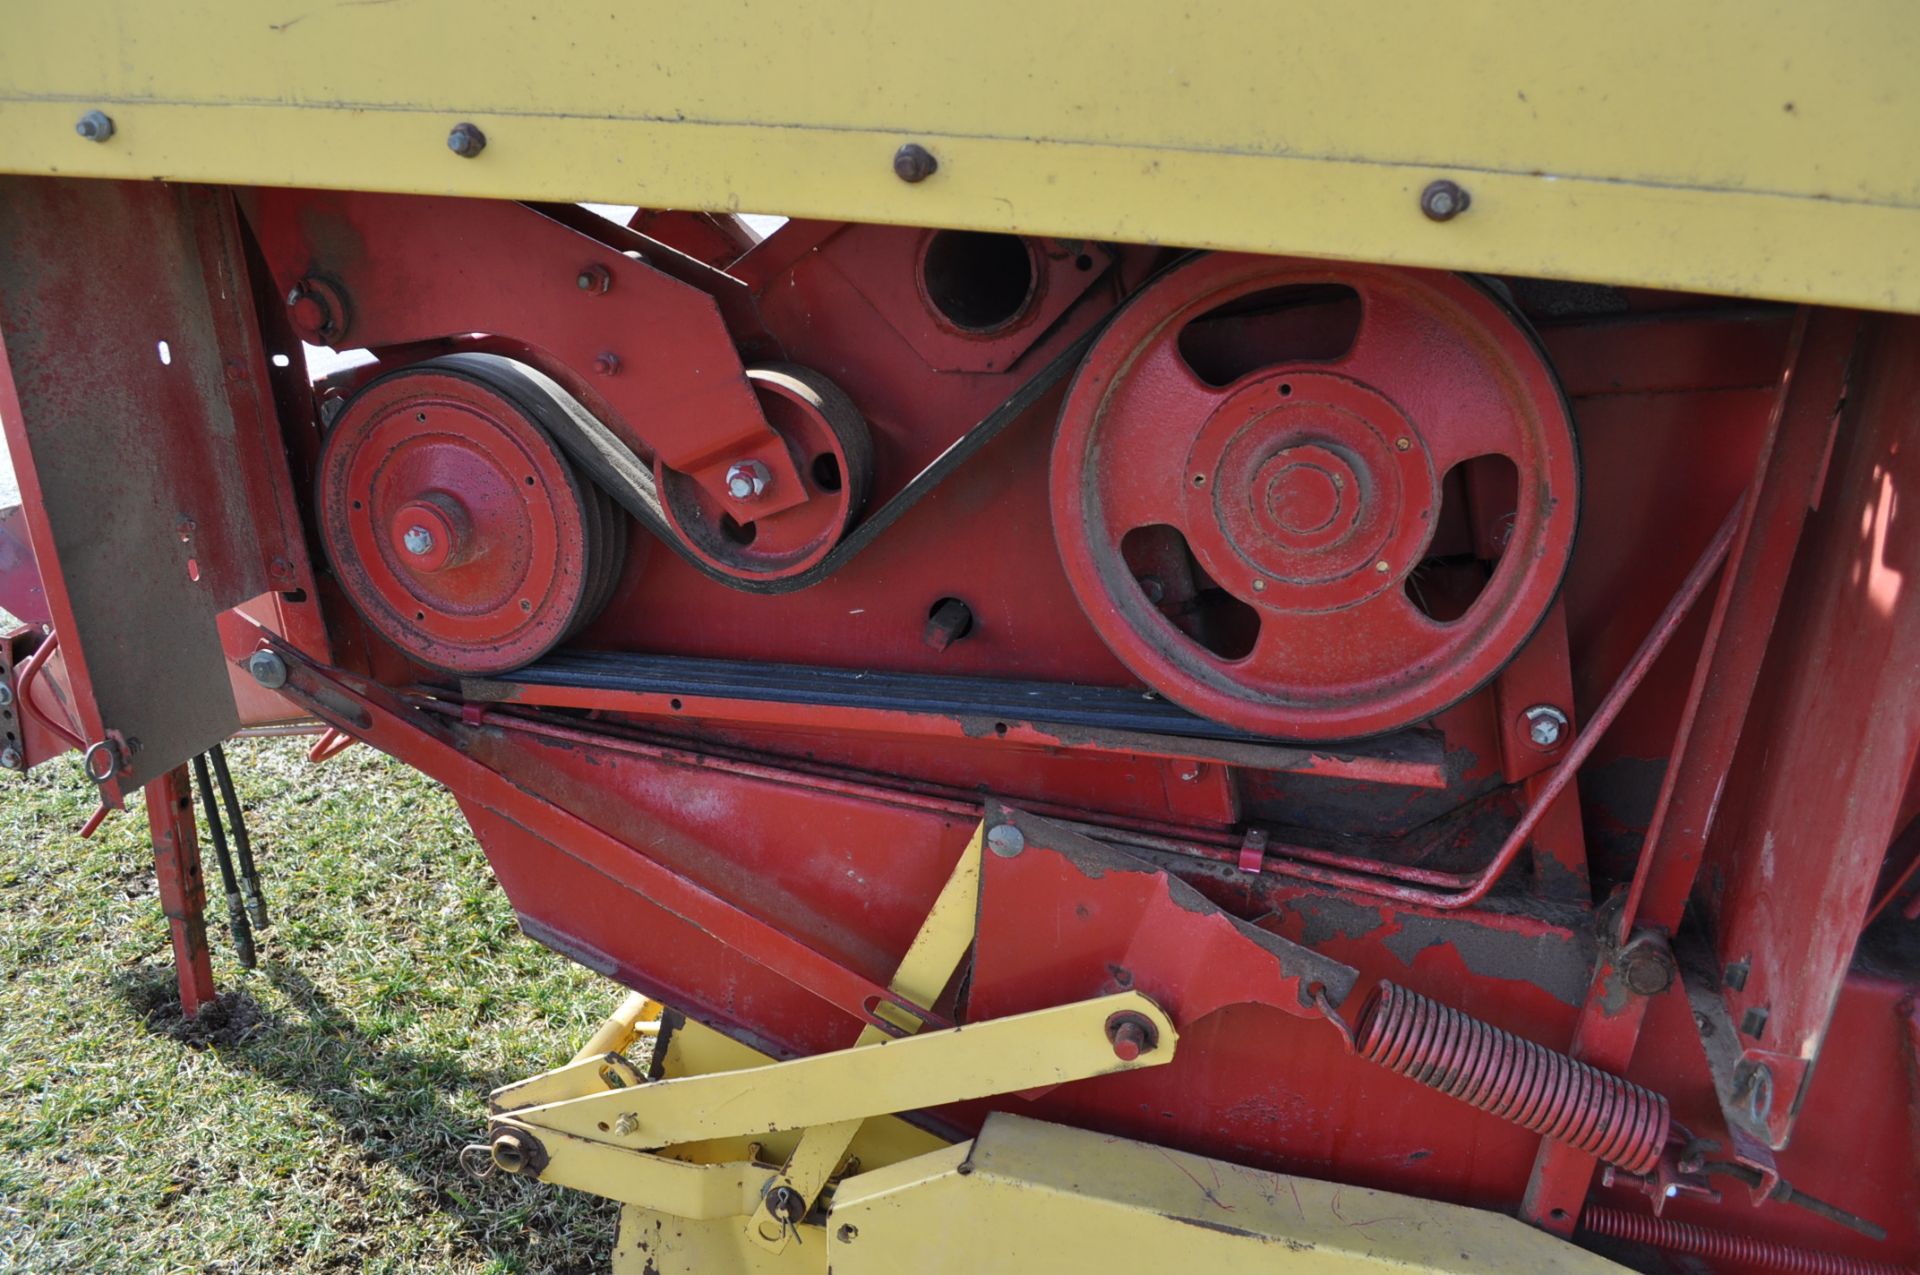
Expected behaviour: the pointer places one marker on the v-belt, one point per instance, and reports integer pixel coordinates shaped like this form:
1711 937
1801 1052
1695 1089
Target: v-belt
614 468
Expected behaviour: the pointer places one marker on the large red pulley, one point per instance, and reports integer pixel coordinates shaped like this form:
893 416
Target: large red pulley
456 525
1251 470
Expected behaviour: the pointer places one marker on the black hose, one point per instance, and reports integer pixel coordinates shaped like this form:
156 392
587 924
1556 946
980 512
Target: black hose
236 913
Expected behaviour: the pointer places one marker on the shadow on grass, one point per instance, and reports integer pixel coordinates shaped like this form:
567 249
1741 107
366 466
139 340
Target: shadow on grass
400 1106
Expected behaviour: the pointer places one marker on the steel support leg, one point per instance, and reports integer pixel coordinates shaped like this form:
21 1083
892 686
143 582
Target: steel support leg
183 894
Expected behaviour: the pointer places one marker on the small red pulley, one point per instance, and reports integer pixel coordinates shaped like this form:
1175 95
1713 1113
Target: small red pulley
833 454
455 523
1270 474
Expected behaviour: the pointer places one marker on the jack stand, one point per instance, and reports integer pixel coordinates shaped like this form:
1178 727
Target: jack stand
183 894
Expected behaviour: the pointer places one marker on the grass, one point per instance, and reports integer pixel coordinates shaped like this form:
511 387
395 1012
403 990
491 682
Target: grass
312 1120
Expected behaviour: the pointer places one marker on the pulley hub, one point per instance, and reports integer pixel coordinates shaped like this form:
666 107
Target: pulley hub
1303 483
1269 476
454 522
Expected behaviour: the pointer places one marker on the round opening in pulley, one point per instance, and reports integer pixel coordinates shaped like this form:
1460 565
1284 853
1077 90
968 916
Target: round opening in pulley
977 282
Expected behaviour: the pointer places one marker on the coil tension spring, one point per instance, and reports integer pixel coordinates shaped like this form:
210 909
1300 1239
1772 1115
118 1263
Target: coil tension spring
1535 1087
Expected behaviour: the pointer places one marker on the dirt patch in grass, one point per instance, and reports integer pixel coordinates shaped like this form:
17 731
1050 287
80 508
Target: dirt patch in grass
312 1120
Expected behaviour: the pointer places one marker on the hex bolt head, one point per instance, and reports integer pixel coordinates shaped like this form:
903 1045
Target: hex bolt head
1546 726
466 140
1006 840
914 163
747 479
595 280
1646 965
607 363
1444 200
268 669
95 126
10 759
418 541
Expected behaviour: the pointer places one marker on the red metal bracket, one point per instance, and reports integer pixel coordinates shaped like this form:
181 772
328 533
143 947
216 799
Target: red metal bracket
649 353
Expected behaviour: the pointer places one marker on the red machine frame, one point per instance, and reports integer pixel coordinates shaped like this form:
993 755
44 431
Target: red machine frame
759 859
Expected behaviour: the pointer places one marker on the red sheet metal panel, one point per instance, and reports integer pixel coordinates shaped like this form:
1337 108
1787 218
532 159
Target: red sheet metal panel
1817 782
135 402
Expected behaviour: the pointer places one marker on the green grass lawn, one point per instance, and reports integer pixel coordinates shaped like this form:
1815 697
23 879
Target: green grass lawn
312 1120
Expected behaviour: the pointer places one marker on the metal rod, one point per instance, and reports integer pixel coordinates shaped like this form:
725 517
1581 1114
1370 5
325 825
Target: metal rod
284 730
1630 678
29 670
1786 1193
236 912
242 845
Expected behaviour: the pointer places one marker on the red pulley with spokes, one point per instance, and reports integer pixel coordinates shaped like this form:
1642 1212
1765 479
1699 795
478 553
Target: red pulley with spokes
833 454
1250 470
455 523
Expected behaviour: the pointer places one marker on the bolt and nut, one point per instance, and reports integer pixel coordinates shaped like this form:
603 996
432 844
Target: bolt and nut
1444 200
1546 725
1131 1035
747 479
1646 965
268 669
6 695
95 126
466 140
594 280
10 759
418 541
914 163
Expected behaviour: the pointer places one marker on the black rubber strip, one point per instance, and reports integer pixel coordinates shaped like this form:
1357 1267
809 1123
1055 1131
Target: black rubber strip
1113 708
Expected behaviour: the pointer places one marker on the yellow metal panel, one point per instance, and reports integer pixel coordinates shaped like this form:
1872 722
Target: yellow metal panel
1036 1197
1733 146
653 1243
1001 1055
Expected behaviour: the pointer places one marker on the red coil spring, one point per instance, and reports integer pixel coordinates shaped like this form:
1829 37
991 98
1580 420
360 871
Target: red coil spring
1721 1246
1538 1088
